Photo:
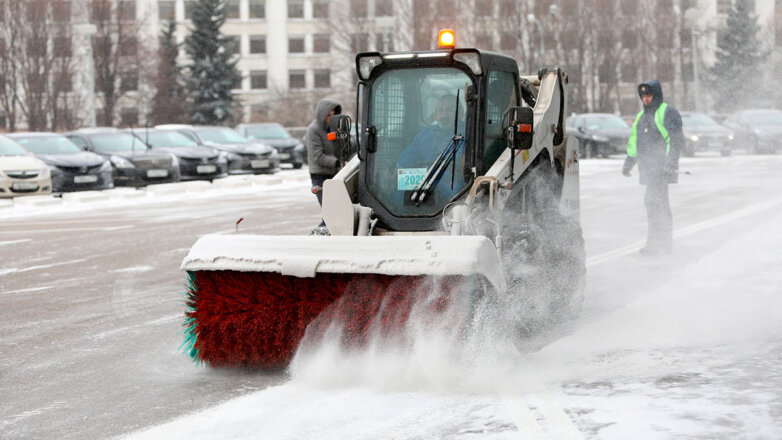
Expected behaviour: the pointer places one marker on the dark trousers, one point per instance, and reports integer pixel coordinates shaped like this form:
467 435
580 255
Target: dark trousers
317 181
658 216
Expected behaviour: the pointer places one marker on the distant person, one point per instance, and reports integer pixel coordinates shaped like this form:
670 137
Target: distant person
322 153
655 143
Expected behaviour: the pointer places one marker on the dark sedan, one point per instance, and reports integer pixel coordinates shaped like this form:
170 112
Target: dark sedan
702 133
134 163
599 134
195 161
72 168
290 149
244 156
758 131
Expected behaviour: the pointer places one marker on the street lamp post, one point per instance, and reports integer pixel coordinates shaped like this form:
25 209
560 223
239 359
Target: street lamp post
88 30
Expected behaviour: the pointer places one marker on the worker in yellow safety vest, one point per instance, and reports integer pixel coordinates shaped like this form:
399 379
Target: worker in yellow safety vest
655 143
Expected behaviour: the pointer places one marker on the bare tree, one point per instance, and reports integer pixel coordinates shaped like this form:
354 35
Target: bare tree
10 44
116 52
169 103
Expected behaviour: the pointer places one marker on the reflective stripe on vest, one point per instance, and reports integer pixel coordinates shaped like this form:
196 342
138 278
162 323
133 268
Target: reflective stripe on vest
659 121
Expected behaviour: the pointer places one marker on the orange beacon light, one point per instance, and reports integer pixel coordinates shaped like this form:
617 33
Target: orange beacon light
446 39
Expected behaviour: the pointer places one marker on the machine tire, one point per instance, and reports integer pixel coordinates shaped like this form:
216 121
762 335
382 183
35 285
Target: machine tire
296 165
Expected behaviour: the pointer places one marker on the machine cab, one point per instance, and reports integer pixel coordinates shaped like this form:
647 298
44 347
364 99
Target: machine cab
433 122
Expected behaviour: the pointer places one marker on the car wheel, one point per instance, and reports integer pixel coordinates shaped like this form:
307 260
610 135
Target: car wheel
588 150
296 166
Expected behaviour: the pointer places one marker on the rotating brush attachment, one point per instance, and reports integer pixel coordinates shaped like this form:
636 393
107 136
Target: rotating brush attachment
251 319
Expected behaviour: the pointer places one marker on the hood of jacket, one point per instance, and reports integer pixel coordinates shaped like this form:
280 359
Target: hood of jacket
657 93
323 108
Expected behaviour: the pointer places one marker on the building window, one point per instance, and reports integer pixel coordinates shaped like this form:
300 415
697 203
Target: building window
257 44
62 47
358 8
297 79
320 8
128 117
295 8
127 10
232 9
257 8
359 42
166 10
322 79
296 45
128 82
384 8
61 11
321 43
128 47
258 79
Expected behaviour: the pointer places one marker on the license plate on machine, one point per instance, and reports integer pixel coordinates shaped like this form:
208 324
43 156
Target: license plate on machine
203 169
157 173
284 156
24 186
259 163
85 179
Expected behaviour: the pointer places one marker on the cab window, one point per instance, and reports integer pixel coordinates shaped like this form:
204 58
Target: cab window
501 95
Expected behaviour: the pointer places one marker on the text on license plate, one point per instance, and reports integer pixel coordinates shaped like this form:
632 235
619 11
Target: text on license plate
85 179
259 163
157 173
206 168
24 186
284 156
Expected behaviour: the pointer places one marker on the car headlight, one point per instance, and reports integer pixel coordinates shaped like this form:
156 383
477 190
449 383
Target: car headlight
694 138
174 161
53 170
45 172
106 166
121 162
222 157
299 147
598 138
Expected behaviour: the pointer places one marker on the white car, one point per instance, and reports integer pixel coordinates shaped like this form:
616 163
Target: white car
21 173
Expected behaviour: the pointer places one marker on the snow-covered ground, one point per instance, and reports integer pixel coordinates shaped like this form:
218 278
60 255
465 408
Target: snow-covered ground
687 346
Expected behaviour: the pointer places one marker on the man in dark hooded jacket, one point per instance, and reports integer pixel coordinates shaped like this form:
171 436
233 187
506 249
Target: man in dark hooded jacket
321 152
655 143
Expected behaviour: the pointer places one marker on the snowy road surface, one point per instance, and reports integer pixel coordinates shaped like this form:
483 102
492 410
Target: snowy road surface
683 347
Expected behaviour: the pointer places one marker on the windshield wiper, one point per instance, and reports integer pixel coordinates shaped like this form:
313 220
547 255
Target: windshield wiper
446 157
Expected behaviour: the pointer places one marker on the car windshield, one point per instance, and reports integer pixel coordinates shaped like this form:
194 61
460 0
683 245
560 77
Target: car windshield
221 136
112 142
765 118
10 148
413 112
601 122
48 145
267 132
165 139
697 119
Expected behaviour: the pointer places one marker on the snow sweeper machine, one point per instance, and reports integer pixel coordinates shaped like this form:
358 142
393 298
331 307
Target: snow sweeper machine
464 188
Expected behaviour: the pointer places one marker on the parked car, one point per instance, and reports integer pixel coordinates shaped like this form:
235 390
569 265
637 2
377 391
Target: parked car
133 162
195 161
599 134
758 131
290 149
244 156
71 168
21 173
702 133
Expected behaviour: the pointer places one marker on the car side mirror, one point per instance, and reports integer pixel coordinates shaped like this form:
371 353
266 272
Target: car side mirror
517 125
582 129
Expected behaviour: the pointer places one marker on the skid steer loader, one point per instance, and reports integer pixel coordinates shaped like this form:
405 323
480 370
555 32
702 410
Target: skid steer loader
491 207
